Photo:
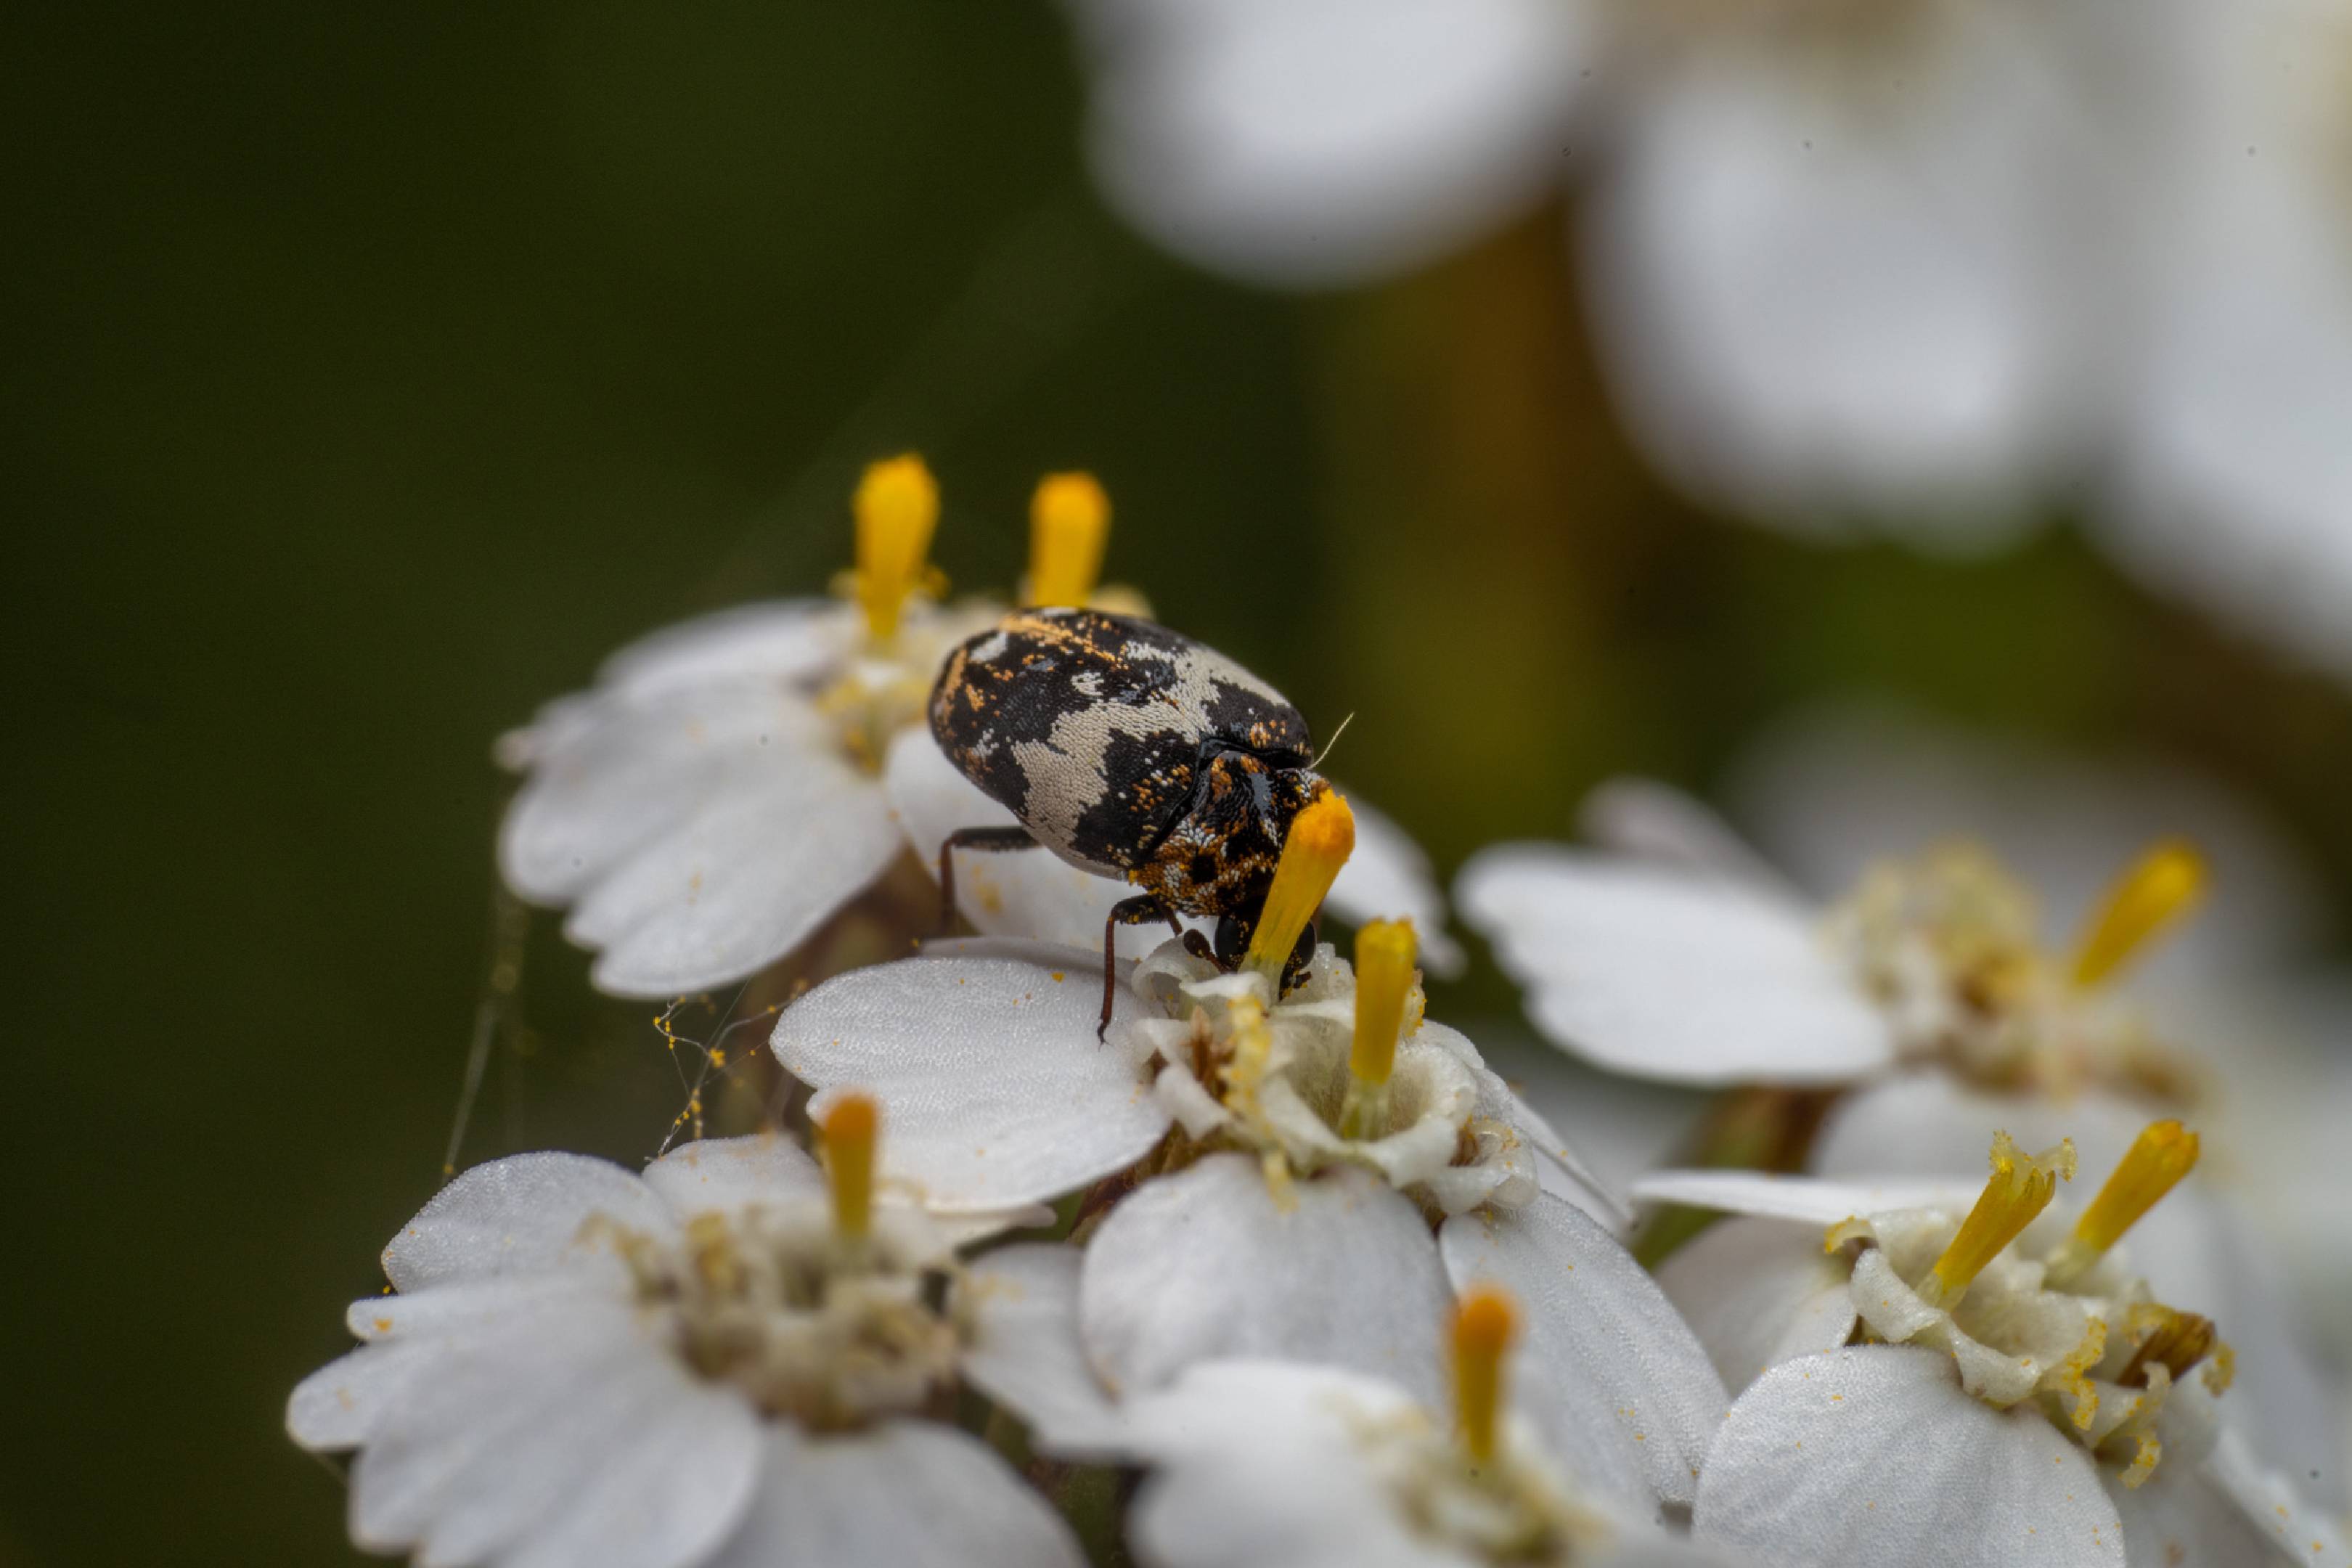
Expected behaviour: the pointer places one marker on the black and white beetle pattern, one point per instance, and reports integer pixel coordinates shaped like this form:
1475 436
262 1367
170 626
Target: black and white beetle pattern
1133 753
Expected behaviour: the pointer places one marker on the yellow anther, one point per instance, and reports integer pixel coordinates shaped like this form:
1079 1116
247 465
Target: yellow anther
2021 1187
2163 1154
1384 975
896 506
849 1136
2160 886
1322 837
1069 519
1484 1326
1385 950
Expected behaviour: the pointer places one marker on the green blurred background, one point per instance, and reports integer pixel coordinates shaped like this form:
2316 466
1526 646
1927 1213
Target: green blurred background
373 370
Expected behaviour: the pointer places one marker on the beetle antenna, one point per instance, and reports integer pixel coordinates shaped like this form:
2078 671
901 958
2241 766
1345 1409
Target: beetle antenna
1318 763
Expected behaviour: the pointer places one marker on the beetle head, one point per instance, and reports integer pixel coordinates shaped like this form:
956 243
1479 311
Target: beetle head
1219 858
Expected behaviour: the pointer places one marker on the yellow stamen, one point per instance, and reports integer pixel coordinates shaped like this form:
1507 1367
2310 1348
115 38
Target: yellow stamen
1384 975
2021 1188
849 1137
1069 519
896 506
1484 1326
2163 1154
2160 886
1321 838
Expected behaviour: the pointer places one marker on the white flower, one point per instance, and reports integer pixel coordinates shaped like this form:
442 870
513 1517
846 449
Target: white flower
709 1363
1207 1265
2235 488
1842 264
1693 969
1002 1093
2002 1351
719 796
1287 1465
730 784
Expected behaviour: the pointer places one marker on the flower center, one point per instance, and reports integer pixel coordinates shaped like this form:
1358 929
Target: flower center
2154 892
815 1310
2093 1347
896 507
1069 521
1321 837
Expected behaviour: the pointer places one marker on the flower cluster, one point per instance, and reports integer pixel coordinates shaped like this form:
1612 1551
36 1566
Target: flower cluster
1227 1251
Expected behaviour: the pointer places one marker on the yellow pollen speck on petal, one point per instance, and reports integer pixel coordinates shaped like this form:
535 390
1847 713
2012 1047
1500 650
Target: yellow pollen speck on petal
2160 886
1070 521
1321 837
2158 1158
896 507
2021 1187
1484 1326
850 1129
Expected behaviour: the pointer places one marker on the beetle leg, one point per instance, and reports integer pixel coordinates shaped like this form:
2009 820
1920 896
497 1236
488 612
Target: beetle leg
994 839
1132 911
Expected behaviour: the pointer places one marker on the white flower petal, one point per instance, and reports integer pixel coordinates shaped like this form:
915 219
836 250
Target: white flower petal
1646 820
1261 1462
1030 893
1207 1263
908 1494
995 1090
1820 295
2181 1515
468 1306
1561 1171
1874 1456
1320 141
576 1438
1609 1372
611 774
2275 1507
732 1172
1388 878
1757 1292
519 1216
1814 1200
785 640
1025 1353
337 1406
740 884
1663 973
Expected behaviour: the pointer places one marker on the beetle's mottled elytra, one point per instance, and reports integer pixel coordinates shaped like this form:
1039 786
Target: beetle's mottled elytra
1133 753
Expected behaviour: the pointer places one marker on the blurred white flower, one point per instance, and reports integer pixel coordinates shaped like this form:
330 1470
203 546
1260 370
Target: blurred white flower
2234 485
1308 143
1843 261
718 795
716 1363
1694 967
2007 1307
1285 1465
